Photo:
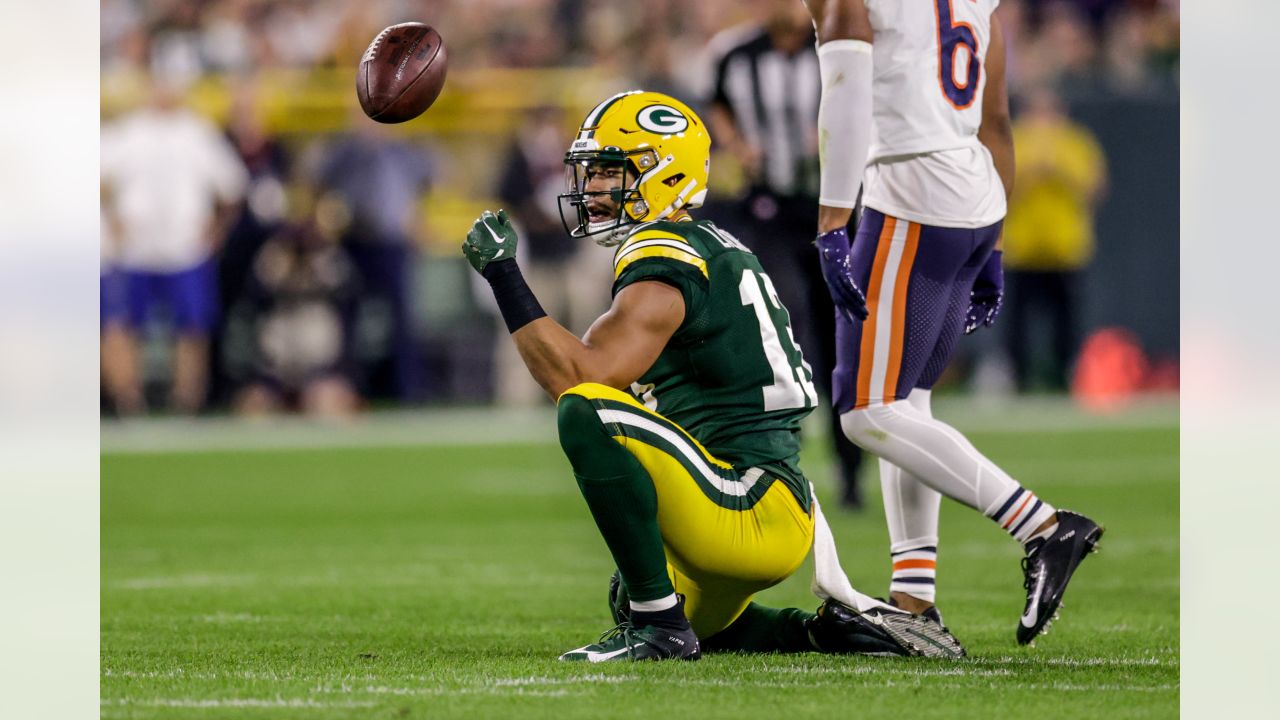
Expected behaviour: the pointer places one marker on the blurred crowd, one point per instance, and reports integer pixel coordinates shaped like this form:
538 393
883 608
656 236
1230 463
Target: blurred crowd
1126 44
263 267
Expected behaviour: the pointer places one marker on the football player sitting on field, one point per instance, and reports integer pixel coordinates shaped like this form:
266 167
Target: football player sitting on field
680 408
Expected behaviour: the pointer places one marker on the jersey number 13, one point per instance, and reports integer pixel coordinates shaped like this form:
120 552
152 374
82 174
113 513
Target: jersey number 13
792 384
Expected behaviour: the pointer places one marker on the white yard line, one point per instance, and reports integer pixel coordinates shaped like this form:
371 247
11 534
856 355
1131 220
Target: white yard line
181 581
931 678
277 702
498 426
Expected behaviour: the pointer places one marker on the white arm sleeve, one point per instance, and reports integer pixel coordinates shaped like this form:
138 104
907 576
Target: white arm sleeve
844 119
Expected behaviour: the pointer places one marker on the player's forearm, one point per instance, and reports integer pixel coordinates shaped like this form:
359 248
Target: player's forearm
556 359
997 135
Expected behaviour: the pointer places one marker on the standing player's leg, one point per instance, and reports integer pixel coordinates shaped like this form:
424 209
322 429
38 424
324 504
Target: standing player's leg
911 506
911 513
918 290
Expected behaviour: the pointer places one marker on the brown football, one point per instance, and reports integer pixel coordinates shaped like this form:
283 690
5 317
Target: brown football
401 73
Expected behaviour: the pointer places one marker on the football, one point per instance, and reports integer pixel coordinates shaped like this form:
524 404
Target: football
401 73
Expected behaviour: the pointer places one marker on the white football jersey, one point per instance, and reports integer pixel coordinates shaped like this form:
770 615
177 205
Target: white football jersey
925 162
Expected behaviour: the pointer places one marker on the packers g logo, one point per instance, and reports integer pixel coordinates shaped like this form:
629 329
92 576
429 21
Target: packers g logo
662 119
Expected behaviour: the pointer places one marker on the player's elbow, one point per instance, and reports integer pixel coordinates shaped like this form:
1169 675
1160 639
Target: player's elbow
997 126
847 31
559 384
843 20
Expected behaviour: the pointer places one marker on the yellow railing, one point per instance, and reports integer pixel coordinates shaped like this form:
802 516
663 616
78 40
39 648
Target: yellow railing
488 101
471 122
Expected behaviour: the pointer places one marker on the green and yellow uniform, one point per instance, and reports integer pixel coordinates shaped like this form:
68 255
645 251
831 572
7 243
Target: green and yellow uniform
715 421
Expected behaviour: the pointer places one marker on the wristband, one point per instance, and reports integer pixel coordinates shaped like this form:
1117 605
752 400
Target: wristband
515 300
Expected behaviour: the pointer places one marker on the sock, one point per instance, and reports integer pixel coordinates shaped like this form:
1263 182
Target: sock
844 119
1021 513
911 512
937 455
761 629
671 616
915 571
654 605
621 498
1044 534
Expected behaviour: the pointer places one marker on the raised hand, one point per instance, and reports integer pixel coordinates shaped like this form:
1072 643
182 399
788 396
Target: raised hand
491 239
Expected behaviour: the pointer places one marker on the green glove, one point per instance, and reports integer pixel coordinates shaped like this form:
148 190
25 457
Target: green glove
491 239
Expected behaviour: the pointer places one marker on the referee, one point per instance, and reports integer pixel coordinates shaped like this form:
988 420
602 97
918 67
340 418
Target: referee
765 111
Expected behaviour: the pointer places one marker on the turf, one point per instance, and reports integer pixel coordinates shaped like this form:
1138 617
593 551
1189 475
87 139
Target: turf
442 581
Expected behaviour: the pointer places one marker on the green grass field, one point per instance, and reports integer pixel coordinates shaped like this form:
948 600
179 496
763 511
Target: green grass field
442 580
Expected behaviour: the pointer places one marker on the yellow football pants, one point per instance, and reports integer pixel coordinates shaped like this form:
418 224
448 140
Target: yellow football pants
728 534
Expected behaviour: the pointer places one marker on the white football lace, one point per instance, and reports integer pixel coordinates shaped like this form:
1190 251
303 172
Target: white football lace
373 47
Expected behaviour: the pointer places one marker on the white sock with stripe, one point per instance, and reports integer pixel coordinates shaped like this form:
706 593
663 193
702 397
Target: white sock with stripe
654 605
911 512
1021 513
937 455
915 569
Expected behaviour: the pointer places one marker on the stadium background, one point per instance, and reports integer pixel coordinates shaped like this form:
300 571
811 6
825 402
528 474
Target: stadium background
359 567
286 69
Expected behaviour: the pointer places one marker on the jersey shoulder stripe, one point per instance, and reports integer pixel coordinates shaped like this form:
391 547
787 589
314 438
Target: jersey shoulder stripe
644 234
666 250
663 241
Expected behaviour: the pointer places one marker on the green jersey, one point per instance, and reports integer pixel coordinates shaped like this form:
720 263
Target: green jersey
732 375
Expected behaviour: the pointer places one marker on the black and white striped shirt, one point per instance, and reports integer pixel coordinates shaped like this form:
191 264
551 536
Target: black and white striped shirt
773 98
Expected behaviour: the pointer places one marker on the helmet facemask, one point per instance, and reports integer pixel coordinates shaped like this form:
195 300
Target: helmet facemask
628 205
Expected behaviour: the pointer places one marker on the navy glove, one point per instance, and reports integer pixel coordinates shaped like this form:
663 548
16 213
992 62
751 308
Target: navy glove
837 269
987 295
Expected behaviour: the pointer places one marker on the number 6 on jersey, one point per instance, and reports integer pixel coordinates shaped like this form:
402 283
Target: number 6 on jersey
952 37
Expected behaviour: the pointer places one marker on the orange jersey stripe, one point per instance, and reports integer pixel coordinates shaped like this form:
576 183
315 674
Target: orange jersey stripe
868 349
898 338
1023 506
916 564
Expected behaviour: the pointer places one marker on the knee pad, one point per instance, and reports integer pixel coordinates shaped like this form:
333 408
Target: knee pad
578 425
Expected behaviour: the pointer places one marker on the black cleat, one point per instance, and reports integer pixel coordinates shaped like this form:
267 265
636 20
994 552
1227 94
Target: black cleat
627 642
933 613
839 628
652 642
1048 567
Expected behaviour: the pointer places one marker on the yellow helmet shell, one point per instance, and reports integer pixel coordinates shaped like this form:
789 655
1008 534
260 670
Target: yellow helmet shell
674 175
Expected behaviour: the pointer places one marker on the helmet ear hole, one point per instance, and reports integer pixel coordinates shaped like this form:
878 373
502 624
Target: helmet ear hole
671 181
